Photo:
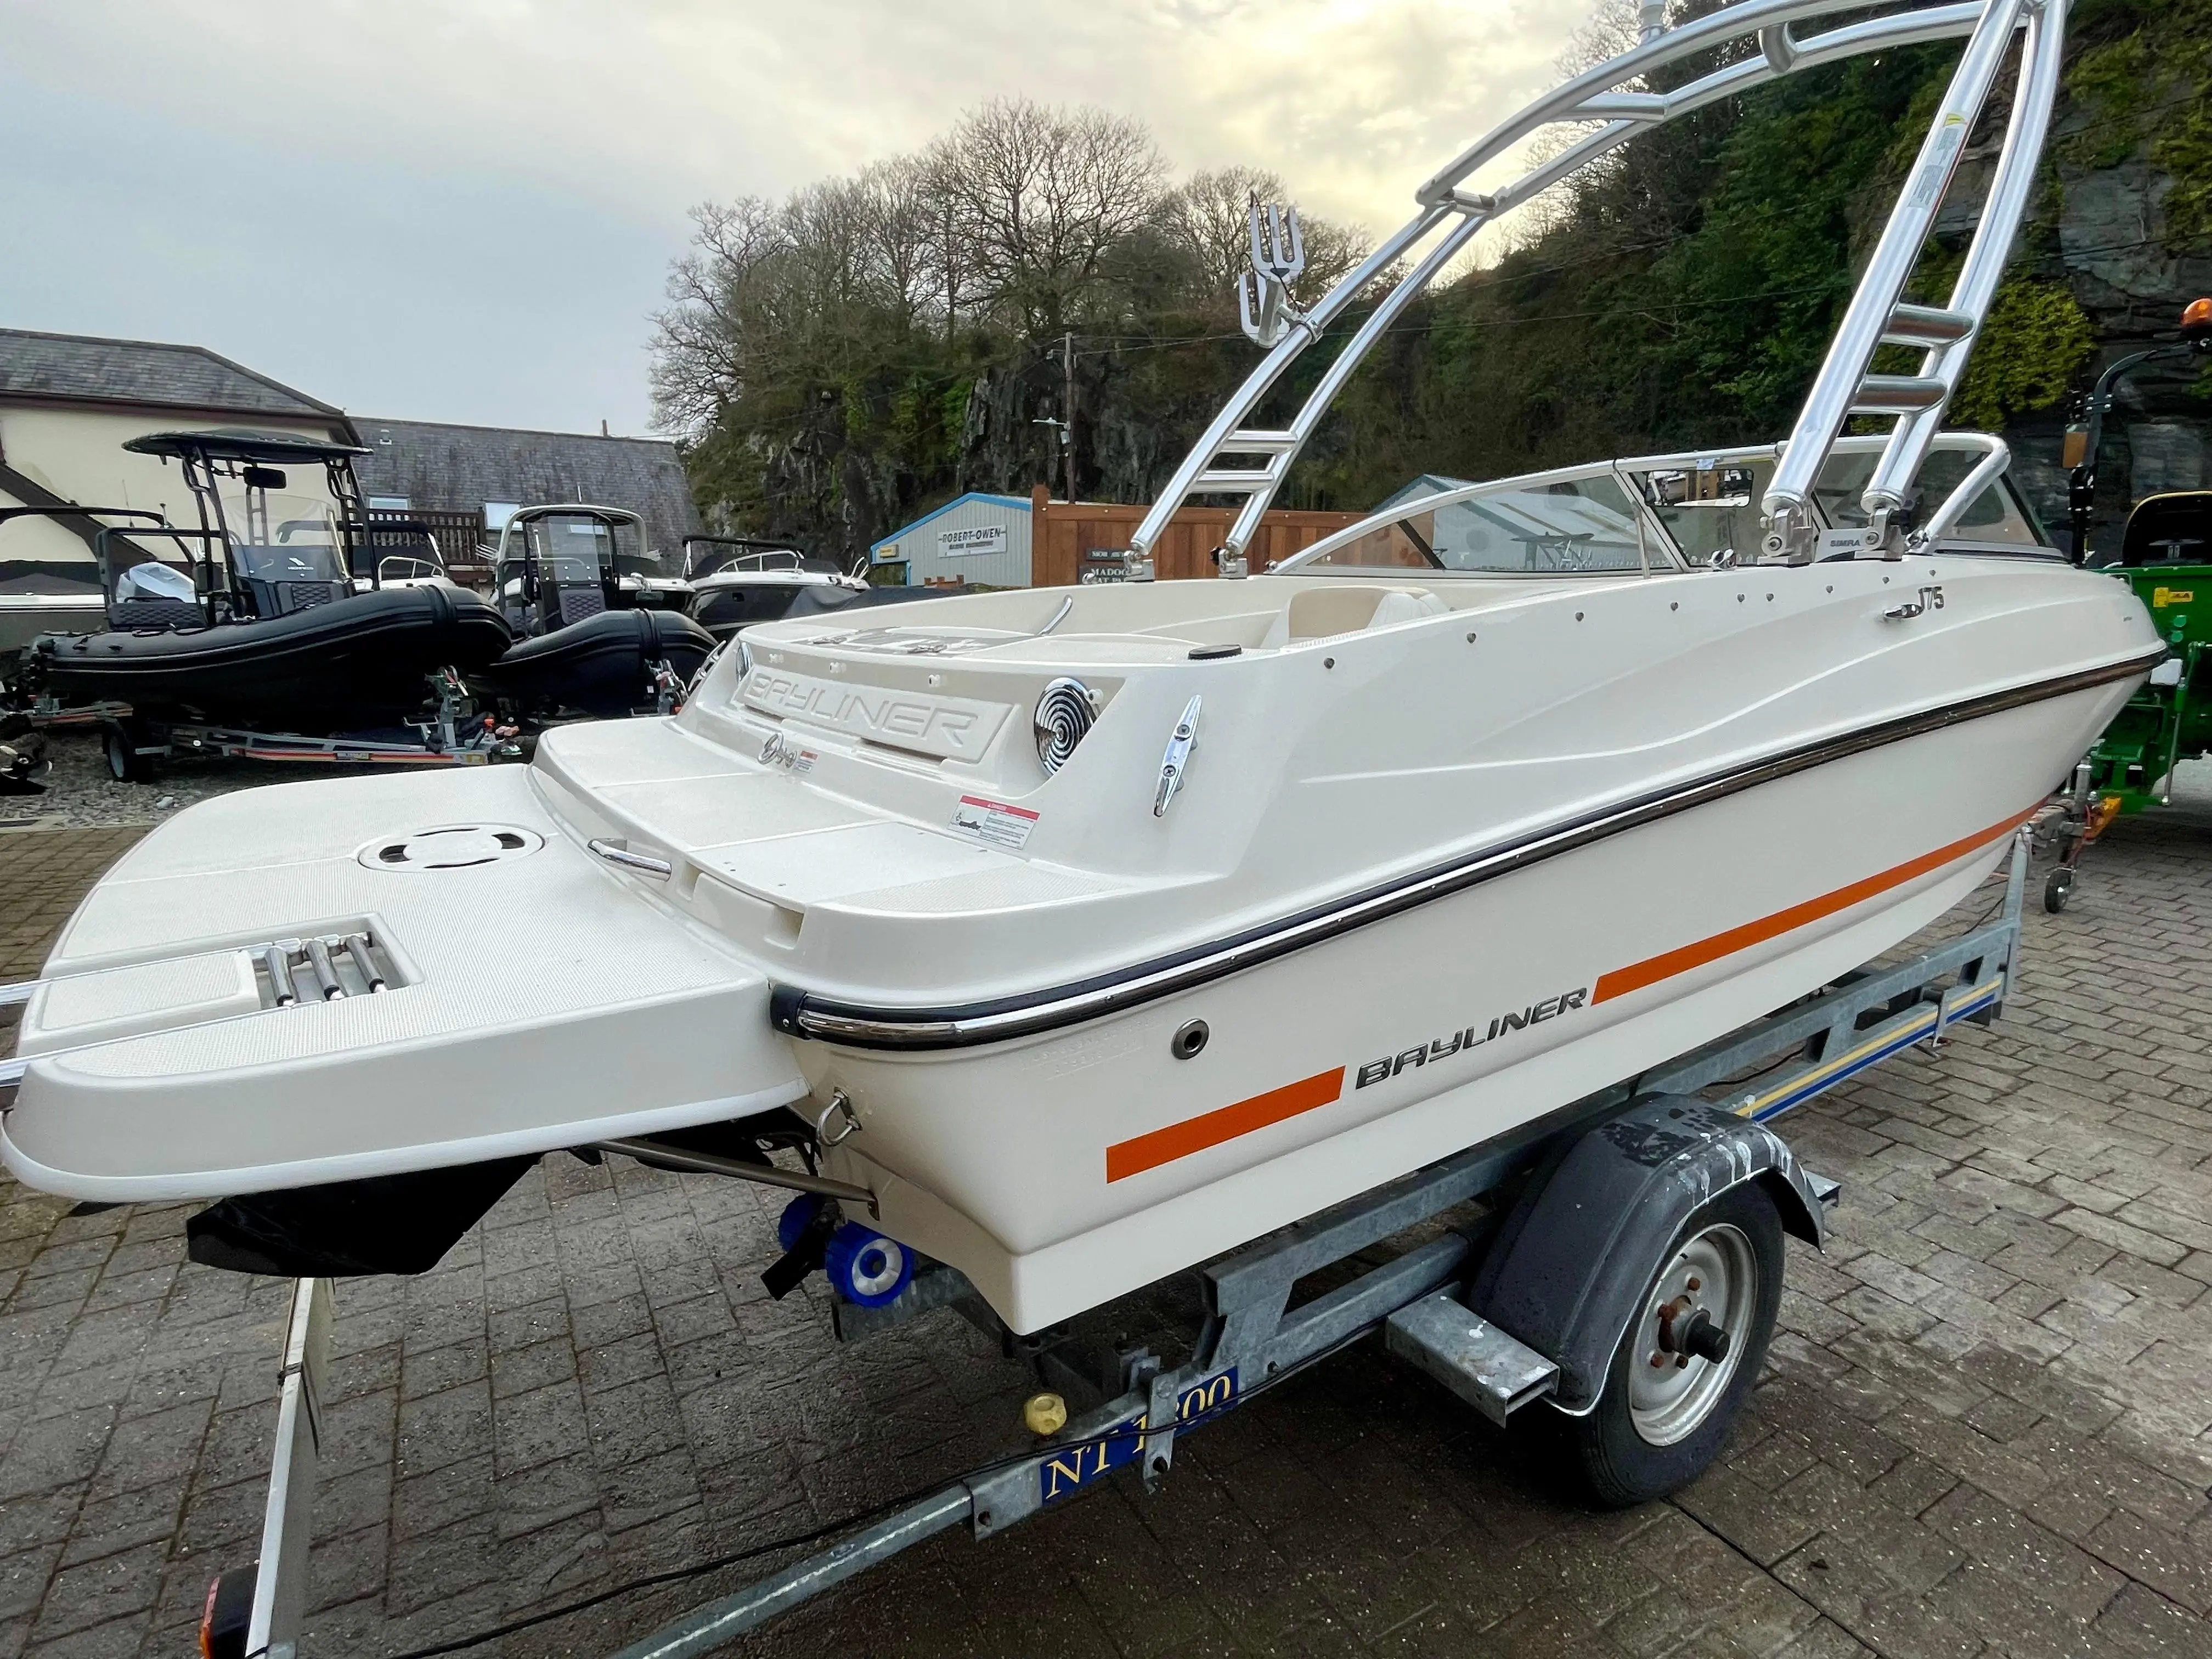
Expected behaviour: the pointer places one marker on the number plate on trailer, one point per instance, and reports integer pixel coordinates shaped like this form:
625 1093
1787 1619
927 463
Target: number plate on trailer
1079 1466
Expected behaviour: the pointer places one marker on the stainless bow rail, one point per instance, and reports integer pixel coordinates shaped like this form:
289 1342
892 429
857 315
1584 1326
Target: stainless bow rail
1233 457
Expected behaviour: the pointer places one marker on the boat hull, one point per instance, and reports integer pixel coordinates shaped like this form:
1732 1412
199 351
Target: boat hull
1066 1169
350 663
25 617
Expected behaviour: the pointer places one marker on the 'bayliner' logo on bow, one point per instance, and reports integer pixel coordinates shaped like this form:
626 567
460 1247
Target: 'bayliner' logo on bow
936 726
1377 1071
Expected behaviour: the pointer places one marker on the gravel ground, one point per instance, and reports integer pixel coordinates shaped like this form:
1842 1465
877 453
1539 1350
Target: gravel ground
79 793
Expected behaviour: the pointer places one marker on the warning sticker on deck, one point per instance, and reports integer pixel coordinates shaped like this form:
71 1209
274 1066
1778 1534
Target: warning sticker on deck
994 823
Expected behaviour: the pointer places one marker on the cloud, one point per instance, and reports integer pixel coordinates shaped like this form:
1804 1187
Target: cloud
486 191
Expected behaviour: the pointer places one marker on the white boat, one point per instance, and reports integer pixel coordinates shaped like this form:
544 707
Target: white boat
1082 935
33 607
737 580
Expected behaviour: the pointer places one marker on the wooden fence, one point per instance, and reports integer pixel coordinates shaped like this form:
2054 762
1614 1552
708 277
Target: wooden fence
1061 532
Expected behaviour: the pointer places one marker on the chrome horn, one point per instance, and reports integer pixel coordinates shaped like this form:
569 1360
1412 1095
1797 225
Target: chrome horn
1064 716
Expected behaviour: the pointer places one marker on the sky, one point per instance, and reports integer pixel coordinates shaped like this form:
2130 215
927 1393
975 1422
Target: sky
465 210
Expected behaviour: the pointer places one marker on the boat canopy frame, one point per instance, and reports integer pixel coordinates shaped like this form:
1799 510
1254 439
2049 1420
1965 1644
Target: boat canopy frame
208 456
519 521
1613 95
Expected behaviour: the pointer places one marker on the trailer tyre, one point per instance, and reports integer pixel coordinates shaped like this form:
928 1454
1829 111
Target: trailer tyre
1690 1356
124 764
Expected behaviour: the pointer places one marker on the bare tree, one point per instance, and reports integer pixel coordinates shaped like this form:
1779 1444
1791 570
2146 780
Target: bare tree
700 339
897 210
1210 217
1611 29
1036 198
1024 220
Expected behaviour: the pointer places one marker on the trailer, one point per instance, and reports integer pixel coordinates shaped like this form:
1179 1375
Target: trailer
453 734
1616 1263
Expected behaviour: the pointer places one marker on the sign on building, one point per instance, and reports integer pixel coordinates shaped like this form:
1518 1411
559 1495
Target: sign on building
975 539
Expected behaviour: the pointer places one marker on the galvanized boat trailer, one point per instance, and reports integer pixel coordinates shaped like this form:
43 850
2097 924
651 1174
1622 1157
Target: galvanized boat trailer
1643 1156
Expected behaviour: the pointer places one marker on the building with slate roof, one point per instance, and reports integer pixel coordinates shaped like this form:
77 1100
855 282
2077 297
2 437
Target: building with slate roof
66 369
68 403
427 467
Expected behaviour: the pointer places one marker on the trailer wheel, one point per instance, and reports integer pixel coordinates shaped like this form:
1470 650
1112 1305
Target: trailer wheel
124 764
1690 1354
2058 889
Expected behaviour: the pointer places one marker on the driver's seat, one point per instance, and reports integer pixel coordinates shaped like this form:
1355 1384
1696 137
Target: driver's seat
573 602
280 596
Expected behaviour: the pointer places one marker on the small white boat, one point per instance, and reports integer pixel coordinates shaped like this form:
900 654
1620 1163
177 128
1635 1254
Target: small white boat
737 581
35 607
1086 933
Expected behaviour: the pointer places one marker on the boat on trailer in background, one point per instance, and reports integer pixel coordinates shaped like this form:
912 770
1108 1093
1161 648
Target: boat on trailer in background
249 635
1074 938
598 617
738 581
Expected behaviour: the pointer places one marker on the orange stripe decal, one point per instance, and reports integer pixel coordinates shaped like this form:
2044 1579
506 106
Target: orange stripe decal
1650 971
1194 1135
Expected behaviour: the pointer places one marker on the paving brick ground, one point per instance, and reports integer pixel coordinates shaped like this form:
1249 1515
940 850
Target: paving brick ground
1984 1430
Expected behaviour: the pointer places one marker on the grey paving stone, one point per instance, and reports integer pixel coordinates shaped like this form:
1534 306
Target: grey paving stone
1983 1431
55 1451
96 1592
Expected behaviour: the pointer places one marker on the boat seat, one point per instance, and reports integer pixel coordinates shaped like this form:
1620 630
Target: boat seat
579 600
1320 613
132 616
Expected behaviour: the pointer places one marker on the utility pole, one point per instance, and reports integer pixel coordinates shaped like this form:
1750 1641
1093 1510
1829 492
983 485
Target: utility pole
1067 405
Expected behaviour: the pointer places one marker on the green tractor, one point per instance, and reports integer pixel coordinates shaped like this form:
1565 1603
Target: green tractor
2165 556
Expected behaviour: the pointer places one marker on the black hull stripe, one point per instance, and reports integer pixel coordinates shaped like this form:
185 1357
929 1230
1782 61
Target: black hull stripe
855 1025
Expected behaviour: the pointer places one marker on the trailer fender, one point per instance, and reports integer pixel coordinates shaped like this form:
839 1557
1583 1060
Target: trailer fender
1567 1270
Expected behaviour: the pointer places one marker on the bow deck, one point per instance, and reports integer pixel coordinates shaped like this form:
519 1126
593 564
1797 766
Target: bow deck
534 999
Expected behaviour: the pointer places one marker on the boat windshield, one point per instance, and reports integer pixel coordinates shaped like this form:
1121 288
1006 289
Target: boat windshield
303 546
707 560
1994 516
1566 526
1710 506
578 546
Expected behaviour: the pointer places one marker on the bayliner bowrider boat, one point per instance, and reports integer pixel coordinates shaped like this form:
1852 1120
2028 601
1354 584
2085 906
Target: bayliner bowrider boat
737 580
1083 934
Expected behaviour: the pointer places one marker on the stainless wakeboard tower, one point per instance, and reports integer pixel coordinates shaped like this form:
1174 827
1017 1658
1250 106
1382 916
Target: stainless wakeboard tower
1221 463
